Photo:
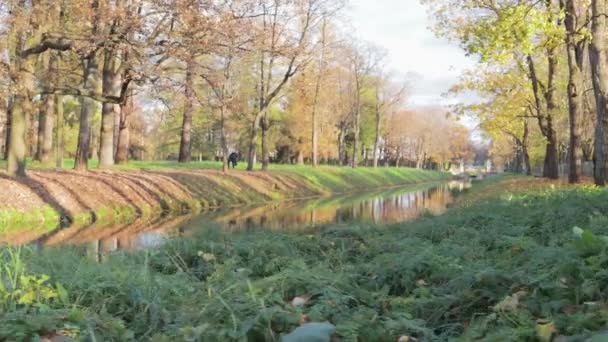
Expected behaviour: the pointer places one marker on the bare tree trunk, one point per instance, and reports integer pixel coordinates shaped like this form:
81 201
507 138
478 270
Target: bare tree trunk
185 143
18 144
598 56
124 136
37 143
524 149
116 131
224 141
575 50
315 124
7 133
59 145
4 111
341 147
87 110
253 141
551 169
20 112
357 129
377 136
545 120
45 136
45 139
265 143
111 85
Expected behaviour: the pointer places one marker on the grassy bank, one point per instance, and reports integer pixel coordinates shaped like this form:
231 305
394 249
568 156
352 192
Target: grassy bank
506 267
50 199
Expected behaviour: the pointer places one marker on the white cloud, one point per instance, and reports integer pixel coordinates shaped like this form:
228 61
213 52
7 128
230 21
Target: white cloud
431 65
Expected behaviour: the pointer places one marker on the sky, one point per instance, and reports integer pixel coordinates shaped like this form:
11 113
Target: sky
429 64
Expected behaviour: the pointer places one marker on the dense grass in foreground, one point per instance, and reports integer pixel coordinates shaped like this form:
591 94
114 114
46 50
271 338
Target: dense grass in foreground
509 268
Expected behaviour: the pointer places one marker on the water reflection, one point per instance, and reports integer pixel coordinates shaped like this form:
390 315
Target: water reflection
375 207
379 207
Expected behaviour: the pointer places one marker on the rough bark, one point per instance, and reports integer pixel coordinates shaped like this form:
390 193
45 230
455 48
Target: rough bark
111 85
7 133
45 140
124 136
41 123
377 132
545 117
341 145
575 50
20 111
265 125
88 107
598 57
356 129
186 133
59 131
524 150
223 139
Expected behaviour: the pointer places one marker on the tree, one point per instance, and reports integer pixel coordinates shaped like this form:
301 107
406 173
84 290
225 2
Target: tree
598 58
576 43
520 33
284 36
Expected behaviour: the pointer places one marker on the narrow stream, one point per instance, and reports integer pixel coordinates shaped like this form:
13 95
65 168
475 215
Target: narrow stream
375 207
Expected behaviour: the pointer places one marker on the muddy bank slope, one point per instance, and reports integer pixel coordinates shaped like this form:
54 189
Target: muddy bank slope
53 199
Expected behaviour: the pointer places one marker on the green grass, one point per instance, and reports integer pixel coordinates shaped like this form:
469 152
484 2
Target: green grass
437 279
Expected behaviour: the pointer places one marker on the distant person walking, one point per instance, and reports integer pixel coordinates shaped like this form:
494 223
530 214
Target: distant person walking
233 160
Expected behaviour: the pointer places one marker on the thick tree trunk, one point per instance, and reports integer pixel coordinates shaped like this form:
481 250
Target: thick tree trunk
87 110
551 169
111 85
253 141
20 112
575 51
545 120
186 137
598 56
45 139
124 136
18 144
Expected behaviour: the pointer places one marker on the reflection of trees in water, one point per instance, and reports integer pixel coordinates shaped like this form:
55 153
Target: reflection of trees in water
380 208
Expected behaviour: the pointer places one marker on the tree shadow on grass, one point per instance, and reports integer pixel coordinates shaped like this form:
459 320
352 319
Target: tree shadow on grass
148 189
65 217
117 190
74 195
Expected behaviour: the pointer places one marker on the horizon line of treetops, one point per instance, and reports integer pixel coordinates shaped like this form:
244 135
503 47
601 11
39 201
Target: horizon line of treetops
153 79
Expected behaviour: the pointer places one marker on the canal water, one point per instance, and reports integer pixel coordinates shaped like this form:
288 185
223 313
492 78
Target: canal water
373 207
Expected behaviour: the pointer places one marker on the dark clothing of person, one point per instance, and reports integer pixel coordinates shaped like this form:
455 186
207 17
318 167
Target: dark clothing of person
233 159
